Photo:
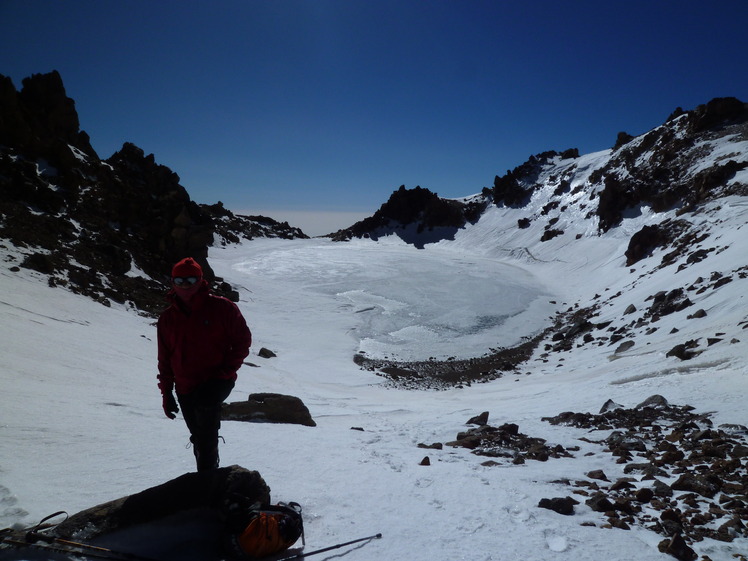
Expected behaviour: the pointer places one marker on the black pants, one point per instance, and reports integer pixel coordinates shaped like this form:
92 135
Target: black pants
201 409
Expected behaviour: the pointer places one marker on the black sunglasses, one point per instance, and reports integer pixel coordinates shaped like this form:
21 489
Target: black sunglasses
189 281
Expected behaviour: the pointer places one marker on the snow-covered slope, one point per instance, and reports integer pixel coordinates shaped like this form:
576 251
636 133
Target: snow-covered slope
81 423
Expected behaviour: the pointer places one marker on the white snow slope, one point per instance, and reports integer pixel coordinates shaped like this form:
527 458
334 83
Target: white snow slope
81 420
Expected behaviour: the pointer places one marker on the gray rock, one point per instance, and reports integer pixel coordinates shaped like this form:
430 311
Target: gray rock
610 405
266 353
268 408
655 401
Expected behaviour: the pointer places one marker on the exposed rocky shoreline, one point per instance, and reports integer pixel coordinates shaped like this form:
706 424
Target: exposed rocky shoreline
443 374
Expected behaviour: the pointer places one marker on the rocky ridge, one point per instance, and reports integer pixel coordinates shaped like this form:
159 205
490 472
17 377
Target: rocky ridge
416 215
109 229
673 178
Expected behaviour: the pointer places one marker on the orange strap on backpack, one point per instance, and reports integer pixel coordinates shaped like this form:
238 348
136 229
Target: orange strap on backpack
272 529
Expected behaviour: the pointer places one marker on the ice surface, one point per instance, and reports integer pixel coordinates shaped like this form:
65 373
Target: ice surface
409 304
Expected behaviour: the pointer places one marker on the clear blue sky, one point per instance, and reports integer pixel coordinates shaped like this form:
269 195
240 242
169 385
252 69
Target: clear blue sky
314 105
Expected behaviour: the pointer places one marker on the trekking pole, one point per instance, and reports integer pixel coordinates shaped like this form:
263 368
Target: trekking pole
302 554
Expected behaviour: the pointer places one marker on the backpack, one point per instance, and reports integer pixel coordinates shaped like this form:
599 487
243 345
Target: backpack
270 529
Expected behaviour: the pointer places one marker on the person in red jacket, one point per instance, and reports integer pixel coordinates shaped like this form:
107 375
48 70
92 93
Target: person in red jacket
202 341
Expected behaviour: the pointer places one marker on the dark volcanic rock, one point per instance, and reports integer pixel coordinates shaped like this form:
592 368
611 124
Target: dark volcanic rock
268 408
717 112
659 440
481 419
41 119
112 229
233 228
707 486
225 490
266 353
418 216
599 502
682 351
678 548
664 181
562 505
644 241
507 442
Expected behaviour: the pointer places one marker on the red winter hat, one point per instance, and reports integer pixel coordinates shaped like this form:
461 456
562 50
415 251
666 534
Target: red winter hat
187 267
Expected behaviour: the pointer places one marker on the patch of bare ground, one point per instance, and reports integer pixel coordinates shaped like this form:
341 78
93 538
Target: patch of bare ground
453 372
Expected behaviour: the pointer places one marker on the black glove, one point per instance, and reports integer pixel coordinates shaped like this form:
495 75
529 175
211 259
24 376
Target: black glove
170 405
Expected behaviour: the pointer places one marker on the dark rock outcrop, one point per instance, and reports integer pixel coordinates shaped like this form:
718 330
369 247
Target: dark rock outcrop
419 208
643 242
230 228
226 490
678 548
109 229
562 505
269 408
663 180
515 187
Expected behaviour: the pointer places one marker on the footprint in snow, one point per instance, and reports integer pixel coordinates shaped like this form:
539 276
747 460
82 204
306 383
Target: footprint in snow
557 543
10 514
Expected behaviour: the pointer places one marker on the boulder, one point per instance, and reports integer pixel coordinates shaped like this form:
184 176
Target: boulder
705 485
599 502
678 548
610 405
269 408
266 353
656 401
562 505
644 241
481 419
221 490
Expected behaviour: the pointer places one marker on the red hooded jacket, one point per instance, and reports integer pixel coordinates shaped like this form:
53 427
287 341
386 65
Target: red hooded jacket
209 339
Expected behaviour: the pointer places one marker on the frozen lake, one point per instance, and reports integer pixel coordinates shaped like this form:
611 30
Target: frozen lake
409 304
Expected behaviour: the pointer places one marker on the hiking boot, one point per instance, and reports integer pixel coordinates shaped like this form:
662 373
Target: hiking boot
206 458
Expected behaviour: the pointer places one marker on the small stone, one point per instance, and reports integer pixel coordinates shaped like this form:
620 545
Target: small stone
510 428
618 523
678 548
600 503
266 353
598 474
625 346
644 495
481 419
622 483
561 505
610 405
656 401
